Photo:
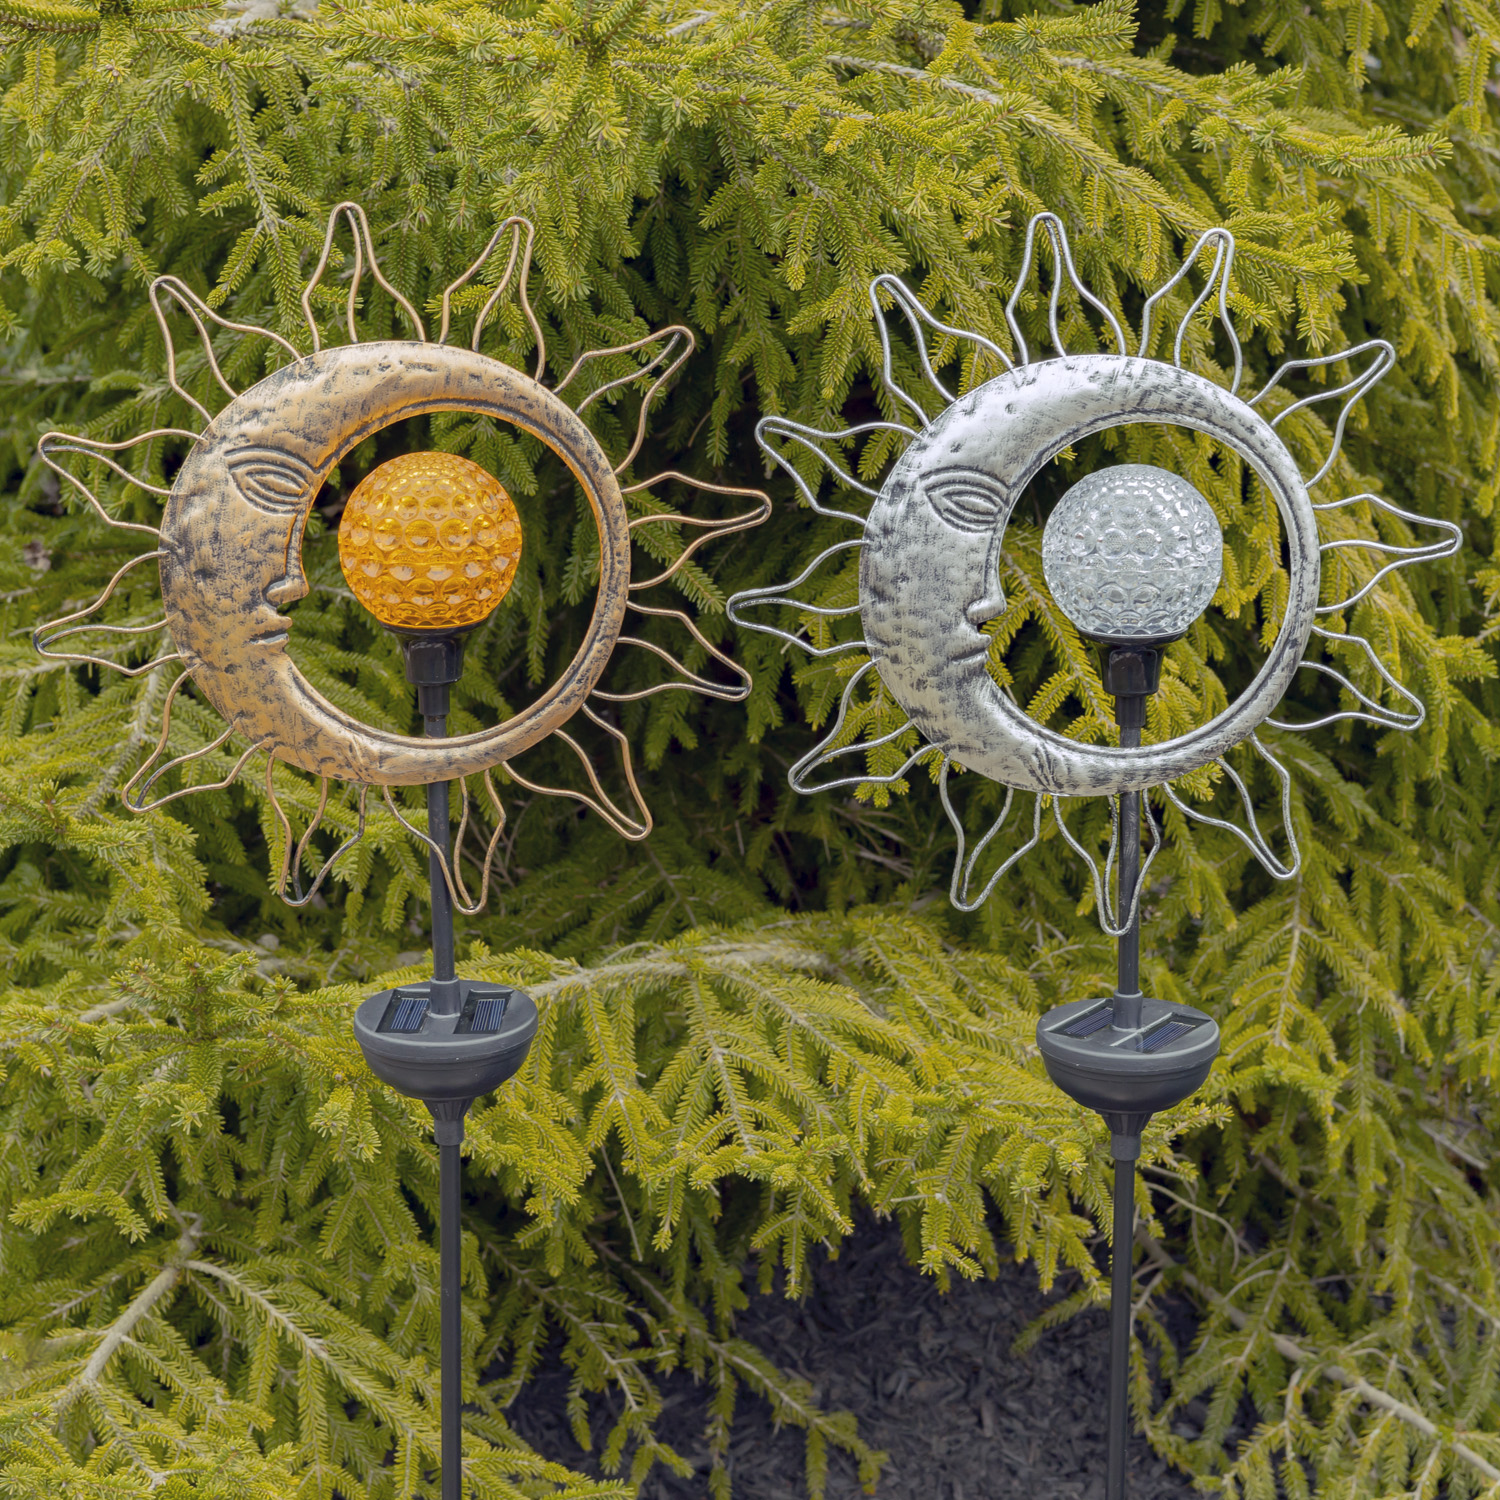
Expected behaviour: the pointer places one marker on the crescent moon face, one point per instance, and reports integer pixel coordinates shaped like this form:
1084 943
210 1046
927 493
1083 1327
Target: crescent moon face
929 569
232 535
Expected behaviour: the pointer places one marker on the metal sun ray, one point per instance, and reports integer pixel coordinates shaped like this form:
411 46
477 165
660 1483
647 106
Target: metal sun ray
290 872
966 862
677 344
888 293
448 862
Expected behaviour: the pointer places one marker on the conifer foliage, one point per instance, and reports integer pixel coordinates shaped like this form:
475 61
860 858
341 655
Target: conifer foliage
216 1263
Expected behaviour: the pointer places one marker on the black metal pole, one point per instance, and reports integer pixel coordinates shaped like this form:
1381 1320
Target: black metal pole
1130 713
444 999
1119 1329
1127 1006
450 1170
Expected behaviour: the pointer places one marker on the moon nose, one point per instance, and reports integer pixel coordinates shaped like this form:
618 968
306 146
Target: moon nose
991 600
984 609
286 590
292 585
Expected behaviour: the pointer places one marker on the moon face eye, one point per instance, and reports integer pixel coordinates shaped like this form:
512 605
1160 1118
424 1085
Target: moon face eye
968 500
273 481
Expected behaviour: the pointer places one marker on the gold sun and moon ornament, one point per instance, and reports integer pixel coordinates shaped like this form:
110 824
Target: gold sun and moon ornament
428 542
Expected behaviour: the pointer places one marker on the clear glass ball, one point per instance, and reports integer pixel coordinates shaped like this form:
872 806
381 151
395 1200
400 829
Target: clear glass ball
1132 553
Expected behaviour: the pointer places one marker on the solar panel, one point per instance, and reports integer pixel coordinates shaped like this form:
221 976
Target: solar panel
487 1015
1164 1034
1087 1025
407 1014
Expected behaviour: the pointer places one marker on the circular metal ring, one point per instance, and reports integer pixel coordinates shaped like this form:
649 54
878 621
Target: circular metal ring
929 569
232 542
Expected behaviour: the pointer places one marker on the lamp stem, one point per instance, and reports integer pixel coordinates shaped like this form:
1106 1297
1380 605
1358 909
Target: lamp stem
444 999
1130 712
1119 1329
443 994
1127 1006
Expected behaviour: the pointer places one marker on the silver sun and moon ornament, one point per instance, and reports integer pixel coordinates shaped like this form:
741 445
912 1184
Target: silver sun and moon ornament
1132 555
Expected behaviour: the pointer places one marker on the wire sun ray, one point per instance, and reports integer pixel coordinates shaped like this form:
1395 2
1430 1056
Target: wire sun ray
671 539
802 613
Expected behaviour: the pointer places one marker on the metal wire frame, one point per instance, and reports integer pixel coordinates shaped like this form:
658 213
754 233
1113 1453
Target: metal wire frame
1384 358
524 236
963 871
1253 839
770 596
916 315
1109 919
67 442
1378 714
798 782
134 801
711 529
959 887
632 829
726 692
457 890
1404 556
784 427
679 345
50 632
291 860
364 244
735 692
822 755
197 309
1062 256
1223 242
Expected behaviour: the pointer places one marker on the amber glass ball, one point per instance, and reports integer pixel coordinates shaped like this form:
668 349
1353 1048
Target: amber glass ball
429 541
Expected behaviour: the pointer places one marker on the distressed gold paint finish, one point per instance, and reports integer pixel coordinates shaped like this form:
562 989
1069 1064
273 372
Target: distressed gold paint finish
429 541
231 540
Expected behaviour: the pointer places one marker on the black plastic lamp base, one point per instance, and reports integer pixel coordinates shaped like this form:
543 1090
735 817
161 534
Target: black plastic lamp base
1127 1074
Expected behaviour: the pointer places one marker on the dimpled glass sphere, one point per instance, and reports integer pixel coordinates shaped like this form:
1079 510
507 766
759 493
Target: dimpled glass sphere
429 541
1132 554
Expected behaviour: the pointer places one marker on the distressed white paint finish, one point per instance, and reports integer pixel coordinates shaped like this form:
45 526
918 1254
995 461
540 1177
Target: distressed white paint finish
929 572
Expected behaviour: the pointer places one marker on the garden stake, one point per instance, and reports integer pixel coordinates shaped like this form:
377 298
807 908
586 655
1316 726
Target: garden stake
445 1040
1129 1056
429 544
1132 554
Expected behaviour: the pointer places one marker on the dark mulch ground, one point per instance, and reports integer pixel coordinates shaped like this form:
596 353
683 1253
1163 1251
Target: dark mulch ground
931 1378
